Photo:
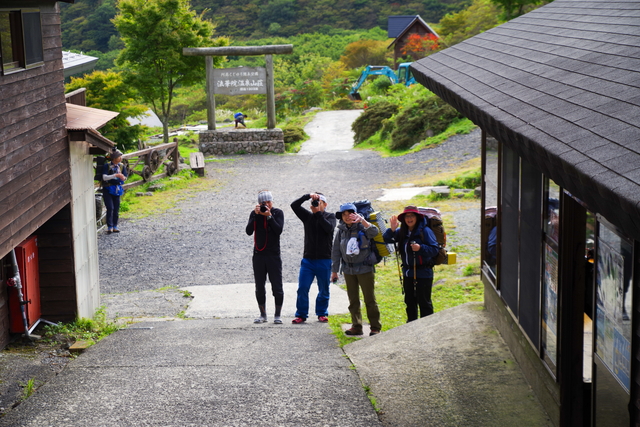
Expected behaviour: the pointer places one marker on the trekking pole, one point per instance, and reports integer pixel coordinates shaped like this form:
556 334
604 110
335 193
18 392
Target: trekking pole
415 275
395 246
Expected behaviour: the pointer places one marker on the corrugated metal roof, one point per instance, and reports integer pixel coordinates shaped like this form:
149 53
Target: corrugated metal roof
561 86
83 118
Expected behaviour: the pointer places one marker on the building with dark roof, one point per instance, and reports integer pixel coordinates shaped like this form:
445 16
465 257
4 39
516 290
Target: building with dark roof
400 27
557 95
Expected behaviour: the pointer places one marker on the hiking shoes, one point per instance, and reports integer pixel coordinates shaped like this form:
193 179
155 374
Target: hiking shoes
298 320
261 319
374 332
353 331
323 319
277 320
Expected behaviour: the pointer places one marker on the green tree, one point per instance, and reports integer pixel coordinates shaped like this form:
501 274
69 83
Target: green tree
365 52
514 8
154 32
481 15
108 91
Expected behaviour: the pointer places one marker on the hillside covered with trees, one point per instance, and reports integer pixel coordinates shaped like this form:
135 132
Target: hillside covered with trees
86 24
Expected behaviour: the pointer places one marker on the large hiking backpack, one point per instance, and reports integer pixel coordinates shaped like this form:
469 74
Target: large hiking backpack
434 222
379 248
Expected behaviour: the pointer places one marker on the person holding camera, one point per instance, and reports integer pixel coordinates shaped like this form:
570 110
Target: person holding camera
316 260
417 246
350 254
266 223
114 174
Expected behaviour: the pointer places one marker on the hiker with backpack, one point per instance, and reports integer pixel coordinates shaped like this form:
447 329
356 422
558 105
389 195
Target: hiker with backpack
114 174
350 255
266 223
316 260
418 246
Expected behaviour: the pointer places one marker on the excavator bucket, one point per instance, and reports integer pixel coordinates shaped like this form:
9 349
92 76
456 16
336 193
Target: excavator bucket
355 96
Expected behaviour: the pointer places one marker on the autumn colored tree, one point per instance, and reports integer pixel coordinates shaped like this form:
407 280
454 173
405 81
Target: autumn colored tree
154 32
418 46
365 52
108 91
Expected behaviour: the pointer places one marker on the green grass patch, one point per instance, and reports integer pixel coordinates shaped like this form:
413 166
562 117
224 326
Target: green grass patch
379 142
453 285
90 330
167 197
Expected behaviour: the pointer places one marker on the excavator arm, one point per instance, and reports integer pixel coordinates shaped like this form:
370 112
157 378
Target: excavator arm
371 70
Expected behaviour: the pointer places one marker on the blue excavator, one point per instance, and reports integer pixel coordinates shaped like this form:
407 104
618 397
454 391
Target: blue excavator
402 75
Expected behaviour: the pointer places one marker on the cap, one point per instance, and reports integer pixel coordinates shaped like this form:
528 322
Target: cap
345 207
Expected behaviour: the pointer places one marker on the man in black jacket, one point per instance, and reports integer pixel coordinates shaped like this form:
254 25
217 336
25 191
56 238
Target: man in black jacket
316 261
265 223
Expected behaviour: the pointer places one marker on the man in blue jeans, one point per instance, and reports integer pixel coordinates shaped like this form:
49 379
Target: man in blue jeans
316 261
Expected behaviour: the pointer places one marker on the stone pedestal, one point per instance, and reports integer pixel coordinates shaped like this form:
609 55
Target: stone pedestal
241 141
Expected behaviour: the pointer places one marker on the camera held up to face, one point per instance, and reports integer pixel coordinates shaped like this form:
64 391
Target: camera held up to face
315 203
263 207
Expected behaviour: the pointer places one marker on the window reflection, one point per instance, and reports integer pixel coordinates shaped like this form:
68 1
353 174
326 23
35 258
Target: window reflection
491 202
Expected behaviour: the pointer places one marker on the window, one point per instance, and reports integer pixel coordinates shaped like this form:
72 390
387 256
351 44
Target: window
550 263
20 40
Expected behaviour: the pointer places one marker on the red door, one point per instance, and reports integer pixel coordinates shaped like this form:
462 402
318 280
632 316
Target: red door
27 257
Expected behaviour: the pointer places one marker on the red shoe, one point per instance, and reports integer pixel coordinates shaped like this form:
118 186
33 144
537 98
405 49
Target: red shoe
323 319
298 320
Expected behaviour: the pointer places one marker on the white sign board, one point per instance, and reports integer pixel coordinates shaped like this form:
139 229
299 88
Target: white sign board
240 81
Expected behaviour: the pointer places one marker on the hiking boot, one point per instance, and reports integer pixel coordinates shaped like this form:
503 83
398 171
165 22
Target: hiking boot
323 319
374 332
353 331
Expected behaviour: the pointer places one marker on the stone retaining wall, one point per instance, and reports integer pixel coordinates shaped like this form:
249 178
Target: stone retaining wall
241 141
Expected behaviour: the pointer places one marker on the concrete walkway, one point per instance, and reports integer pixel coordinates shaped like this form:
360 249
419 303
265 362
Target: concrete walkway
448 369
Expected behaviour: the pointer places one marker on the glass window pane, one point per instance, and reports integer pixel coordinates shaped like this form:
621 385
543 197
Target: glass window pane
32 38
613 303
552 211
550 307
491 202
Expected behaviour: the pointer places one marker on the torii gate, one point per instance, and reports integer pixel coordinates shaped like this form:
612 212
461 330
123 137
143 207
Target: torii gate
210 52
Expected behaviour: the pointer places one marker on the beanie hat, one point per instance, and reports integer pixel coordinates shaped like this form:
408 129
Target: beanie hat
345 207
265 196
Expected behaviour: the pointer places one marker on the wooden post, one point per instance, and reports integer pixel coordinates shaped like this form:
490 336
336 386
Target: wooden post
271 102
211 100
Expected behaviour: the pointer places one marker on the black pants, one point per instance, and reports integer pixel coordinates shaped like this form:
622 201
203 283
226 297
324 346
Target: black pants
418 295
271 265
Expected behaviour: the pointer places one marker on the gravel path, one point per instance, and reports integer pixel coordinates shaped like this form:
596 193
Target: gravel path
202 241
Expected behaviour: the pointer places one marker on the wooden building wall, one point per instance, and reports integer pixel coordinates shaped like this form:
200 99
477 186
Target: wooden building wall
34 153
416 28
35 188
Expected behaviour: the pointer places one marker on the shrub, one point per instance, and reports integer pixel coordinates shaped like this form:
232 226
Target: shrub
293 134
470 179
343 104
426 114
381 84
372 119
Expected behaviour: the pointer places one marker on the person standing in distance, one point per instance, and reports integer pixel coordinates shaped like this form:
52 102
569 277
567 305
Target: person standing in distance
316 260
114 173
265 223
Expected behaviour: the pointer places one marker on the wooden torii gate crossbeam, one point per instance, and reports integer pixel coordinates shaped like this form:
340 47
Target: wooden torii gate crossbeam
210 52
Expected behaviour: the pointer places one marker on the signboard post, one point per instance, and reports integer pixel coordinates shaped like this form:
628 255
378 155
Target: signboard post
240 81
